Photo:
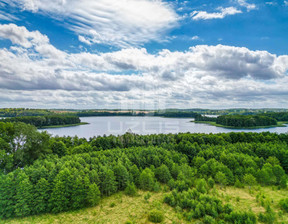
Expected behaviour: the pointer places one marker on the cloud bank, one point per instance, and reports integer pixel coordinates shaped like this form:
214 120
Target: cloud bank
33 71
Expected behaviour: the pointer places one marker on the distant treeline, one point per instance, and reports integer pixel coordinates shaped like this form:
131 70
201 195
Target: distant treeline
107 114
47 120
281 116
200 117
245 120
240 120
19 112
187 114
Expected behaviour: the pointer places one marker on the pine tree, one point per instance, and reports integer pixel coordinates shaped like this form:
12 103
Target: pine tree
134 171
59 198
23 197
78 195
163 174
41 196
146 179
122 176
108 182
93 195
7 191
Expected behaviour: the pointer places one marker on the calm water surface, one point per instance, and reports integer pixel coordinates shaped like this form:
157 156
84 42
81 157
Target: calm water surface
144 125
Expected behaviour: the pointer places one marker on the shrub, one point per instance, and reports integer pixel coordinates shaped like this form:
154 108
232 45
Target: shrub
241 218
211 182
128 222
147 196
268 217
157 187
156 216
202 186
284 204
208 220
113 204
131 189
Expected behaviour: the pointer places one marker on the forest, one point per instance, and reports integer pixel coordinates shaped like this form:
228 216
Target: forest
42 174
245 120
46 120
280 116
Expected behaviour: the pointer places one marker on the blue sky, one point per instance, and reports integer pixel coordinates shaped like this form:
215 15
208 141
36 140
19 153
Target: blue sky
143 54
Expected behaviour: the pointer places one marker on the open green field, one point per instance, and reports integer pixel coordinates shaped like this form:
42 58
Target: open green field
279 124
120 208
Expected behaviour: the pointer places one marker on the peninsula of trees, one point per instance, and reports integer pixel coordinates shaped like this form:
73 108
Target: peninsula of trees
245 121
46 120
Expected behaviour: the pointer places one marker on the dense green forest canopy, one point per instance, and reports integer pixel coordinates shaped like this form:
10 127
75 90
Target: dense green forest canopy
281 116
40 173
245 120
46 120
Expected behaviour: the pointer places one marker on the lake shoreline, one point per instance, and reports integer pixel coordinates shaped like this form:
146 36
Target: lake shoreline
63 126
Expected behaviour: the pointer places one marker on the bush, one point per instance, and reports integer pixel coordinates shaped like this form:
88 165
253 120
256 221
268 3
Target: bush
131 189
284 204
157 187
202 186
208 220
128 222
156 216
211 182
112 205
268 217
147 196
241 218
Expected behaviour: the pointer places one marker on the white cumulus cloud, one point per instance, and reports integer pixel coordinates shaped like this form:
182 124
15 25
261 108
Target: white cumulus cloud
222 13
33 71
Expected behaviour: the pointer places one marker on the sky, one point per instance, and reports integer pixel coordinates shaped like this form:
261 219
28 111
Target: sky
143 54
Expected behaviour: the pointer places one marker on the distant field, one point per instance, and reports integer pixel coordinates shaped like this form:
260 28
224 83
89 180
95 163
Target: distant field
120 208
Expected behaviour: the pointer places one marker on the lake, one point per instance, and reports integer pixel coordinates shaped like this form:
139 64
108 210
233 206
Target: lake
144 125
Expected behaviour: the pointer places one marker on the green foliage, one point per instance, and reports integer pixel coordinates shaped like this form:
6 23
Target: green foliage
241 218
108 181
208 219
23 197
197 204
93 195
249 180
146 180
284 204
67 173
147 196
268 217
245 120
156 216
201 186
41 196
211 182
221 179
163 174
46 120
131 189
